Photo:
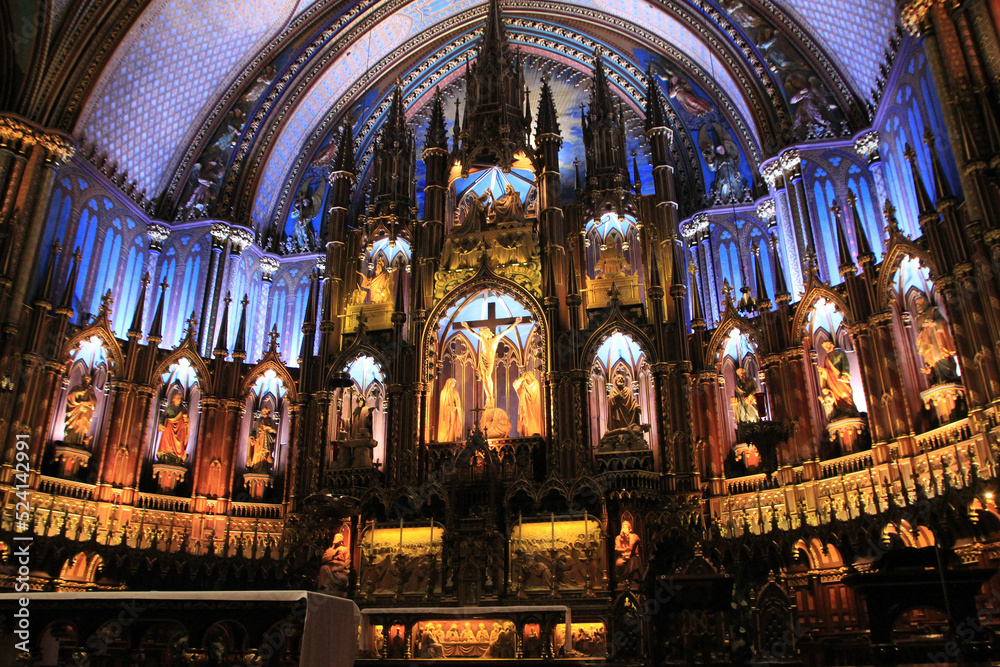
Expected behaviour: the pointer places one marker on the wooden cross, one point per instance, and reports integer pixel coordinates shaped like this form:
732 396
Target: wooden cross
491 321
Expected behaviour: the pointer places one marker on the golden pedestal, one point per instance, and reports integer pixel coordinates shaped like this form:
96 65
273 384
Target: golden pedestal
942 398
72 459
257 483
596 294
847 432
377 316
168 475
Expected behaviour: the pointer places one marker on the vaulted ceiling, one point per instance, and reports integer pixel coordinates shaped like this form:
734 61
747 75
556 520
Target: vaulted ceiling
156 85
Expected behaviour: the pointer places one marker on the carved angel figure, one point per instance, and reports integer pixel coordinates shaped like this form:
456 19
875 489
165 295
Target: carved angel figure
812 109
722 156
307 207
680 89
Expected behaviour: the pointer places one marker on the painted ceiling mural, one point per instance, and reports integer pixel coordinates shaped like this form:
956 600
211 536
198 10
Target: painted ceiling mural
223 109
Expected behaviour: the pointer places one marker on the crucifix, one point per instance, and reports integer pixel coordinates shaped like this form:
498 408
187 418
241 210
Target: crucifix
489 342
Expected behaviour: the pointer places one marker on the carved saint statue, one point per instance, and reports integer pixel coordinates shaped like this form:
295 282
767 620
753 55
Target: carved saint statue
529 404
935 344
336 567
611 263
488 344
477 212
627 565
508 207
80 404
174 429
680 89
745 398
260 450
623 408
836 393
378 286
451 416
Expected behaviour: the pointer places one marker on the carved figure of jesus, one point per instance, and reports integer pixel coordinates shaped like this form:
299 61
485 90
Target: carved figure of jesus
489 342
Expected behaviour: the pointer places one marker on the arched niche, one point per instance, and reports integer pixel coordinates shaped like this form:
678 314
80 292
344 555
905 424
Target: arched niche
470 206
929 354
174 421
262 450
839 388
381 258
358 414
82 408
490 351
742 397
613 254
614 402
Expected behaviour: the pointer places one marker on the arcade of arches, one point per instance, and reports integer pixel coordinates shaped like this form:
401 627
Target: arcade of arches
488 314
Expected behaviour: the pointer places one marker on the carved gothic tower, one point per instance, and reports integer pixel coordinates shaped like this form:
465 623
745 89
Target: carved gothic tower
497 119
608 185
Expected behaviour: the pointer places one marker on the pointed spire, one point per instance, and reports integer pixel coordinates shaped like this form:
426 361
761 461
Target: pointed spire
400 300
67 300
891 223
636 180
437 131
781 292
655 282
456 129
345 150
156 327
578 187
860 237
697 312
548 120
550 279
572 284
527 108
843 249
924 204
942 191
763 300
105 310
655 115
135 329
494 34
222 345
970 142
191 328
240 348
272 344
55 251
601 101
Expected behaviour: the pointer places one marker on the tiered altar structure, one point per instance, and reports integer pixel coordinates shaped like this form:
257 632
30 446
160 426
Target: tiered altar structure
517 406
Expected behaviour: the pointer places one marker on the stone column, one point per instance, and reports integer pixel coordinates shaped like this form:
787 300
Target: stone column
210 296
791 242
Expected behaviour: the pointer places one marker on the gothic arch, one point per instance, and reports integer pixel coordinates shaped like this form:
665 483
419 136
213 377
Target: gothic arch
185 352
100 329
270 362
816 292
718 341
613 325
898 251
484 280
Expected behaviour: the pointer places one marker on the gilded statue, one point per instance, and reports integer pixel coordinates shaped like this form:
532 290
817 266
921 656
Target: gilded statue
451 416
260 450
508 207
627 565
489 342
379 285
623 408
529 404
174 429
745 398
836 393
336 567
81 401
611 263
935 344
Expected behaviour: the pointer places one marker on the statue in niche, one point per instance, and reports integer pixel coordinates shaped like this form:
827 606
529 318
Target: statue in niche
379 285
307 207
611 263
722 155
81 401
508 207
477 212
336 567
935 344
174 429
451 416
623 408
812 110
362 420
488 344
529 404
260 449
745 398
624 430
680 89
836 393
627 565
768 43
